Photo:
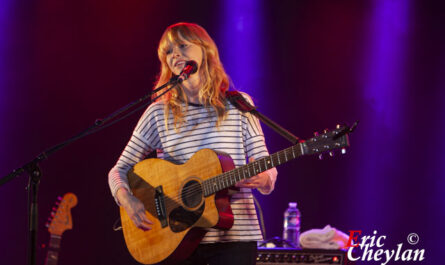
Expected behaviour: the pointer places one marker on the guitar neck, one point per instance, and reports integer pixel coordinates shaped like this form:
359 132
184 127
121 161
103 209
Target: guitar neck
229 178
52 255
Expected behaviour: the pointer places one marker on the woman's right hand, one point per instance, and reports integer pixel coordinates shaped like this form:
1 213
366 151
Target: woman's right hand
134 208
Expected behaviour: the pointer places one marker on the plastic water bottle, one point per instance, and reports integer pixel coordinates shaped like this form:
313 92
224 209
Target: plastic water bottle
291 227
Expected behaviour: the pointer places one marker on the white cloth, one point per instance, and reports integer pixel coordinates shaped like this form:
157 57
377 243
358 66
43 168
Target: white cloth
326 238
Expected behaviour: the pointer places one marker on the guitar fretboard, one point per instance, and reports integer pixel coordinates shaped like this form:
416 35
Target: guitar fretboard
229 178
52 255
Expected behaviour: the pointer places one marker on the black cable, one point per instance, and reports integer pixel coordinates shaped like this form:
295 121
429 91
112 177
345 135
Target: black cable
260 212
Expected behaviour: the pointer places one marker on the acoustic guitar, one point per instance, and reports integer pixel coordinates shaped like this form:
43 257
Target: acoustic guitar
183 199
59 222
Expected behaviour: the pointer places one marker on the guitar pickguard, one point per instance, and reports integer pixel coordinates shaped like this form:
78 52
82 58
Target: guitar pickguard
180 219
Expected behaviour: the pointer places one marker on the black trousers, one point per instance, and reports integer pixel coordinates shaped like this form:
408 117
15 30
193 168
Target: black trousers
229 253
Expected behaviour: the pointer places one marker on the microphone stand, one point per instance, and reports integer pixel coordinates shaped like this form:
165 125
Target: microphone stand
33 170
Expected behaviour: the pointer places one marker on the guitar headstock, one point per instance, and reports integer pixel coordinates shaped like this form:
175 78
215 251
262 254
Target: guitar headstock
60 219
329 141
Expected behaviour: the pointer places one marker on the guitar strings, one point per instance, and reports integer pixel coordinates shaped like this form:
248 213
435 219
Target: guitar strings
224 177
228 176
188 192
286 154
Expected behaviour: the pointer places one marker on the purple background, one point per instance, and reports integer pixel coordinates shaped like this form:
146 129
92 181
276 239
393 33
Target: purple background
308 65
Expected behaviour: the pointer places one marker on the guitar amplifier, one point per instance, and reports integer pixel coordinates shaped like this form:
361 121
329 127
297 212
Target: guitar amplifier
270 256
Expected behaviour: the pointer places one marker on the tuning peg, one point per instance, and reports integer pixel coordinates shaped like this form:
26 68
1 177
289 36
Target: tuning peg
331 154
343 151
320 156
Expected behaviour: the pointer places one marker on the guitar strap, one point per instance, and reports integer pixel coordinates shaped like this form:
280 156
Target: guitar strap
243 105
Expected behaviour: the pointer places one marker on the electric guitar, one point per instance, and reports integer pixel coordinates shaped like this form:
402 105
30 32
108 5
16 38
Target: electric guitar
59 221
183 199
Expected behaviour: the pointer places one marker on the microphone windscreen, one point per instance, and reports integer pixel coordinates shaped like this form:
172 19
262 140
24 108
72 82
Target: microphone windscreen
194 66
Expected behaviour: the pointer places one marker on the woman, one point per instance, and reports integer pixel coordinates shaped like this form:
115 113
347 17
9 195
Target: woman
193 116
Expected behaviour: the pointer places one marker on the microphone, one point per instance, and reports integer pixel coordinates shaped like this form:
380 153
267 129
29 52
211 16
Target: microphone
190 68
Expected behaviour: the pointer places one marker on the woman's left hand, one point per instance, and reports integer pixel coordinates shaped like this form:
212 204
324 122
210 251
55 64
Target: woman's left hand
262 181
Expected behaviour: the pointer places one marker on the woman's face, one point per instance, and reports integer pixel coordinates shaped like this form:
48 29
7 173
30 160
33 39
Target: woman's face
180 53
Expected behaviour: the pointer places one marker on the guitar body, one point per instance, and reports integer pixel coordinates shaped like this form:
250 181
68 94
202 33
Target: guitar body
174 200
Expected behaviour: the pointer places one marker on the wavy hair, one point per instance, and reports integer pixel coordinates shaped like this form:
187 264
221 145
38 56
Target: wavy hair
214 80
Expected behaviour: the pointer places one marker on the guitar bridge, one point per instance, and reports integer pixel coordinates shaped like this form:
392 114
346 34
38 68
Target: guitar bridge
160 206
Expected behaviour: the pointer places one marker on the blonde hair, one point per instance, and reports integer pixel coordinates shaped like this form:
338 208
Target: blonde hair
214 80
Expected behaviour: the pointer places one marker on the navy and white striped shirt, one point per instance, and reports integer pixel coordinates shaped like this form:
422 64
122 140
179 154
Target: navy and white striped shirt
239 135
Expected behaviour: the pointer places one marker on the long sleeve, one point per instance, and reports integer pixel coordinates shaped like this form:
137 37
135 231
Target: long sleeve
142 142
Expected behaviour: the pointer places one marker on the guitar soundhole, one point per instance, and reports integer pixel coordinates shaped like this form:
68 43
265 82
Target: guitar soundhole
192 194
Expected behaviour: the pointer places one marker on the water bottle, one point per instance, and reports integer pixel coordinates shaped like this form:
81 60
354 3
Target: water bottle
291 227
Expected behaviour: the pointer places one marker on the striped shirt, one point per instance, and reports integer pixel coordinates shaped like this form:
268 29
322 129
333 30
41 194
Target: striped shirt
239 135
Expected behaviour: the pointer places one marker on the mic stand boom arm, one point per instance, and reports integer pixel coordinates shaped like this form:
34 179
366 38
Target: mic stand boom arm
241 103
34 172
